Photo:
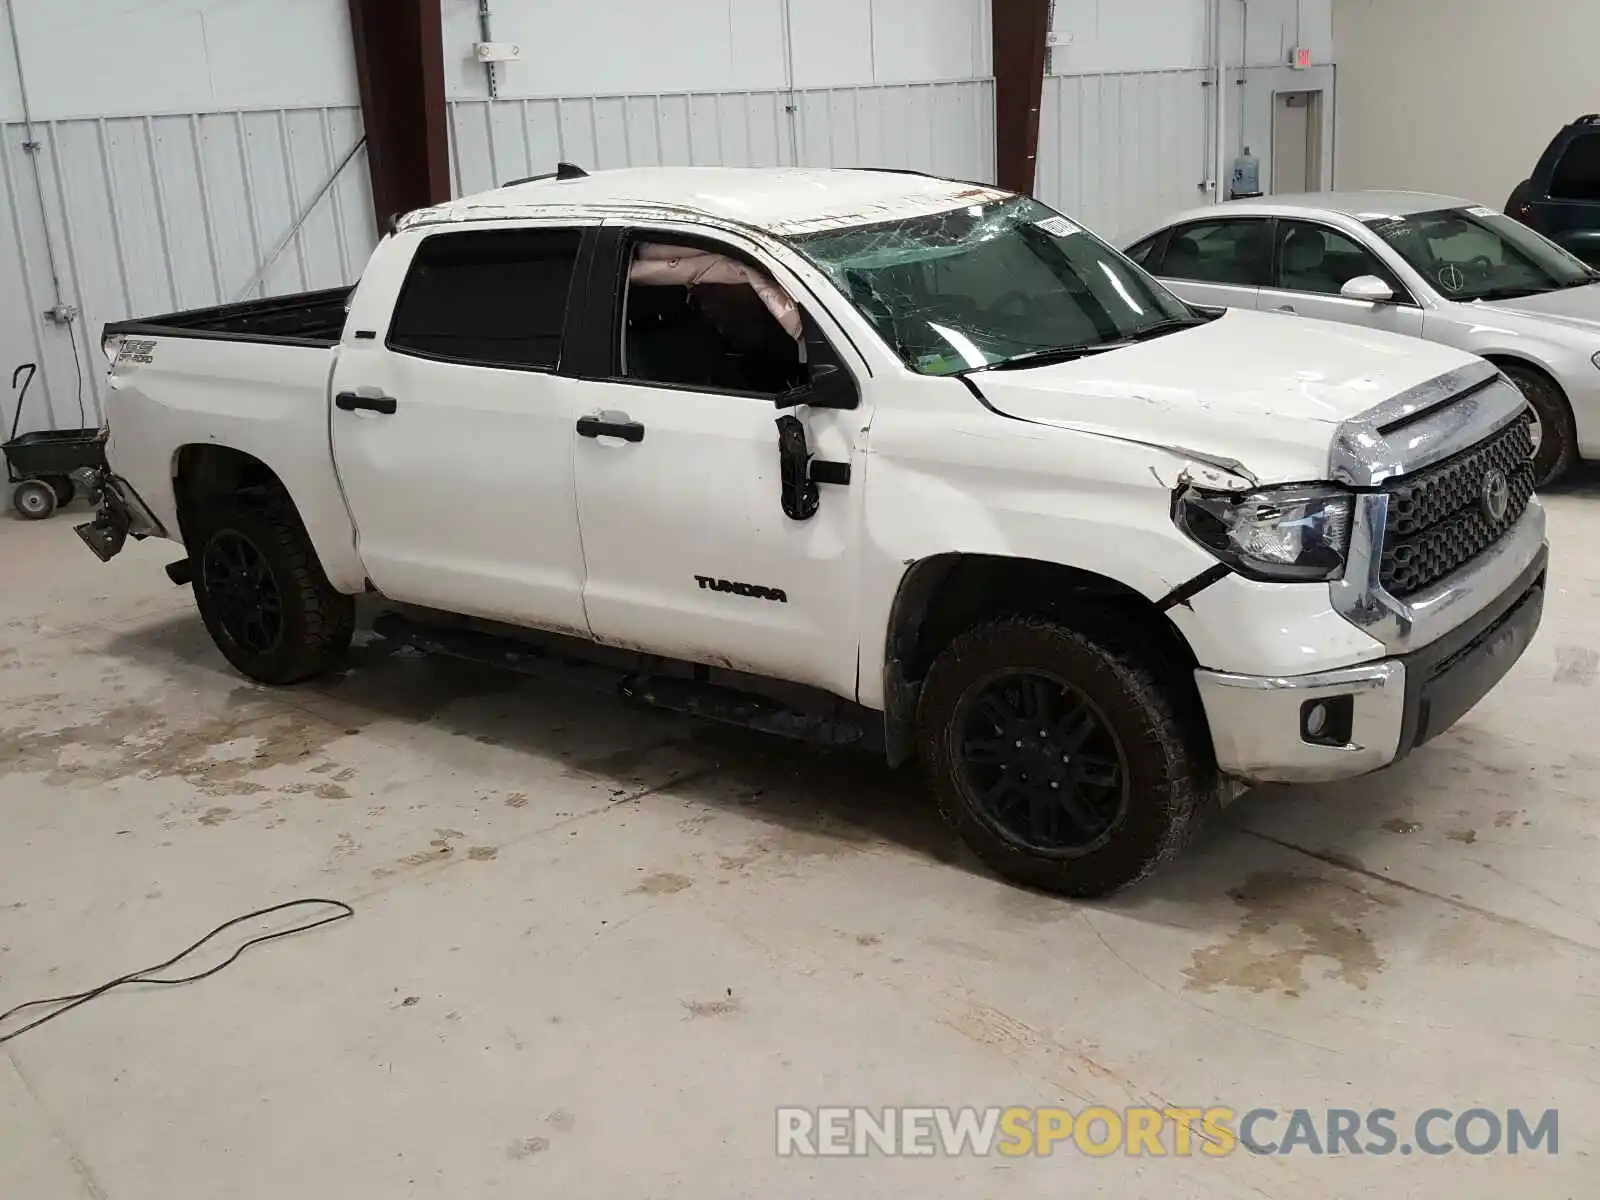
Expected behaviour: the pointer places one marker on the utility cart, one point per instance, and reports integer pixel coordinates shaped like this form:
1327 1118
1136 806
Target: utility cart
41 464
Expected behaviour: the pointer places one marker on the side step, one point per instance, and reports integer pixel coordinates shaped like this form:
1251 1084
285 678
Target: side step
833 723
712 702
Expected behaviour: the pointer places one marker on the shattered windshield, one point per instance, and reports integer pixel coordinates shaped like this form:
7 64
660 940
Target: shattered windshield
1479 254
1004 283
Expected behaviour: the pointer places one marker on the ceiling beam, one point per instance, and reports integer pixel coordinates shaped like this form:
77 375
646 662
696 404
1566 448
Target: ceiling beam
1020 28
399 47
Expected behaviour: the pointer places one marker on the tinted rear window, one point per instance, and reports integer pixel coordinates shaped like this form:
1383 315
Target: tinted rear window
1577 173
491 297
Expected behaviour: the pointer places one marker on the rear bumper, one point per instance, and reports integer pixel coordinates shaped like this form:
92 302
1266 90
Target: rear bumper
1269 728
120 513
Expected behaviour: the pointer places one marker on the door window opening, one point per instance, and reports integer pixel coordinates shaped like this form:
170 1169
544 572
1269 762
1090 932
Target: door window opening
697 318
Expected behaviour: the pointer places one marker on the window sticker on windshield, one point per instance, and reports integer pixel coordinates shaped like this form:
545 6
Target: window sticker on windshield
1058 227
1482 212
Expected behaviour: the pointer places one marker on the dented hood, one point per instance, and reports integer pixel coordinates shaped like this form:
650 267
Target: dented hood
1263 390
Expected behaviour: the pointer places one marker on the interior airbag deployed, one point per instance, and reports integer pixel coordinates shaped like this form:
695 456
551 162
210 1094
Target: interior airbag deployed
683 266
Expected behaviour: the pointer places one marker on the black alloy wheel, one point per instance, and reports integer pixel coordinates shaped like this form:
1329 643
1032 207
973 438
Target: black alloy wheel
1041 763
240 584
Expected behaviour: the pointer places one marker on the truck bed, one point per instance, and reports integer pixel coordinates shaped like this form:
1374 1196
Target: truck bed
305 319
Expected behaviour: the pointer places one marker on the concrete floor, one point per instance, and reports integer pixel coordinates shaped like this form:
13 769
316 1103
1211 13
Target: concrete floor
595 948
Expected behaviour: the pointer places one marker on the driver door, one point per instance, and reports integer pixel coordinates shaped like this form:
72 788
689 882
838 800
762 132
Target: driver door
687 548
1311 262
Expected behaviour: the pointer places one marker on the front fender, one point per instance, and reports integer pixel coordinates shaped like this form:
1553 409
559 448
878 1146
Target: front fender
1013 489
986 485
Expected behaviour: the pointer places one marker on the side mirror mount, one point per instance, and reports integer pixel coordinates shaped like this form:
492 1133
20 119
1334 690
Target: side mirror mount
1369 289
830 386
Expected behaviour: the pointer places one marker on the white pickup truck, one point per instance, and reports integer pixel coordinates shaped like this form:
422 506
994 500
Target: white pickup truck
926 447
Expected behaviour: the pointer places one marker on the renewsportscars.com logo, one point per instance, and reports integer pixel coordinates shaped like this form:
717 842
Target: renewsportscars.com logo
1159 1132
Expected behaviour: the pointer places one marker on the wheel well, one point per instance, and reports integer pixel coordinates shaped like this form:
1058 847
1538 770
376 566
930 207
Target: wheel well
944 596
205 476
1511 360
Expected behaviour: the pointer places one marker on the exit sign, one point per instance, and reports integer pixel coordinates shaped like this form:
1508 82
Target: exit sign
1300 58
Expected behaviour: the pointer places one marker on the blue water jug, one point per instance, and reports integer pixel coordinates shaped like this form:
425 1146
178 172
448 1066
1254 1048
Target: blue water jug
1246 176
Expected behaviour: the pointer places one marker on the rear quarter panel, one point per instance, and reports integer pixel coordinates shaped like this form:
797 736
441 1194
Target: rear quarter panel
269 401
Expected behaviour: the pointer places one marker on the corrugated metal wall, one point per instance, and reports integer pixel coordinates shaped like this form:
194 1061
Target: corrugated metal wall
151 214
157 213
946 128
1121 149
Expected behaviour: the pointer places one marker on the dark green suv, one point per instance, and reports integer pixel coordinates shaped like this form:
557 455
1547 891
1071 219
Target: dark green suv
1562 199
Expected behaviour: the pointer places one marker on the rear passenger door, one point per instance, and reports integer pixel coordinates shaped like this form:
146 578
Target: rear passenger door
453 432
1220 263
1311 264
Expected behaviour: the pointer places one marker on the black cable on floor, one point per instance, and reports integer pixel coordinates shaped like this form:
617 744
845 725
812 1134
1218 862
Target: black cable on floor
68 1003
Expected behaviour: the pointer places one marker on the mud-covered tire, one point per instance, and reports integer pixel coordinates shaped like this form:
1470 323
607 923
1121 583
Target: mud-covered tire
314 622
1167 778
1557 434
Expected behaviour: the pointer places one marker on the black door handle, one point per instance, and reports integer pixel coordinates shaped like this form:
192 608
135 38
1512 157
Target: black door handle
351 401
607 425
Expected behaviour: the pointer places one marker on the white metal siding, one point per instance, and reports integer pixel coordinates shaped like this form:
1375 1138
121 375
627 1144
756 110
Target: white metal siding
1117 150
944 128
160 213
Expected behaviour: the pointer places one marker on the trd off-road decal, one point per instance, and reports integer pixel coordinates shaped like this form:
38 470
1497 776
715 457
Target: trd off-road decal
137 352
753 590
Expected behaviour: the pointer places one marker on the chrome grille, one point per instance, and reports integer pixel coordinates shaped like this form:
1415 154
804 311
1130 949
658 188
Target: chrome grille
1437 521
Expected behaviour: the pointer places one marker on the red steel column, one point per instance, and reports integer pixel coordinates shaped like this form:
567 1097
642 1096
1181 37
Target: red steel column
1020 29
400 65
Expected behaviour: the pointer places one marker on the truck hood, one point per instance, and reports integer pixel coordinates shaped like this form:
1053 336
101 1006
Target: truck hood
1261 390
1572 308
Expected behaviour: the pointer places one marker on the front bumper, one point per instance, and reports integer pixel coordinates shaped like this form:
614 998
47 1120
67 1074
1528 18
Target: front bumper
120 513
1265 729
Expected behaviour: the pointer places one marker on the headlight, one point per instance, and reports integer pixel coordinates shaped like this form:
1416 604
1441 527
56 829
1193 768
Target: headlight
1597 360
1283 534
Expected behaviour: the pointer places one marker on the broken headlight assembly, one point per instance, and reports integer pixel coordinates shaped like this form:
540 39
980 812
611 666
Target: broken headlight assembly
1283 535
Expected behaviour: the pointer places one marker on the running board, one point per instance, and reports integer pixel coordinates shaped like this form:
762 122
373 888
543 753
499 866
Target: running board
713 702
835 723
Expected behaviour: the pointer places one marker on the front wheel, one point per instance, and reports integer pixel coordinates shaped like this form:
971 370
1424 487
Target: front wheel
1063 765
263 596
1555 437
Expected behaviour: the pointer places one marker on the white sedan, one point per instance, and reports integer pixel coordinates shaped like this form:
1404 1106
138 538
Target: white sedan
1429 266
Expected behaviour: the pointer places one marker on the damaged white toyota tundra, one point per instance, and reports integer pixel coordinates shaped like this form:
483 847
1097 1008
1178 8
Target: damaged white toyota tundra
987 490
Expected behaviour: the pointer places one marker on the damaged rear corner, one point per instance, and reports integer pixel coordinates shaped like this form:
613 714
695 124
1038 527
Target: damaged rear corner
120 513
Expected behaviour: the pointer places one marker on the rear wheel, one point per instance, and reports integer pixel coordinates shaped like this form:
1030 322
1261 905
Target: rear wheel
34 500
1063 765
1555 438
62 486
263 595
